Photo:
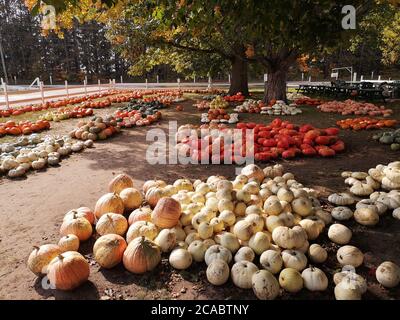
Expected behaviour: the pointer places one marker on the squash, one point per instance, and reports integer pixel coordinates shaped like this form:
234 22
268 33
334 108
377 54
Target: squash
323 215
141 255
273 171
217 224
366 216
111 223
314 279
68 271
350 255
108 250
377 206
259 242
341 199
294 259
361 189
131 198
339 234
141 214
166 240
272 206
388 274
197 249
119 183
271 260
302 206
110 202
291 280
244 254
180 259
217 272
41 256
317 253
78 226
141 228
346 290
154 194
70 242
179 233
166 213
342 213
289 238
82 212
242 273
253 171
265 286
349 272
243 230
153 184
396 213
217 252
192 237
240 209
285 195
228 240
205 230
313 227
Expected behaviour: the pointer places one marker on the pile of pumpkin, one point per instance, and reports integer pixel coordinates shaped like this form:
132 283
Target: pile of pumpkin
237 97
280 108
366 123
391 138
308 101
219 115
219 103
96 129
202 105
367 196
259 230
24 127
36 153
250 106
65 114
349 107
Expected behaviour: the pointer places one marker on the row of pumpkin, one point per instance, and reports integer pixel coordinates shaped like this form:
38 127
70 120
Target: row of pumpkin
263 222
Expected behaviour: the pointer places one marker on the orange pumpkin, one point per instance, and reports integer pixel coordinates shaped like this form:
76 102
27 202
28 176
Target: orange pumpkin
166 213
141 255
108 250
120 182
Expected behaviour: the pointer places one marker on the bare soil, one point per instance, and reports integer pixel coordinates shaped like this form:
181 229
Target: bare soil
32 209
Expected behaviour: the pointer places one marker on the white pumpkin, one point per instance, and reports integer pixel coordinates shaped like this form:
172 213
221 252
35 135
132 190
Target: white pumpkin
317 253
198 250
388 274
342 213
243 230
228 240
289 238
259 242
339 233
244 254
341 199
350 255
302 206
180 259
294 259
217 252
265 286
217 272
166 240
242 273
271 260
291 280
366 216
314 279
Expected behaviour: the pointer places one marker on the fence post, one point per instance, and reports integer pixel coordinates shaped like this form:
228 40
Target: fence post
66 88
194 79
209 82
158 79
41 91
122 80
85 85
309 79
379 78
5 94
179 83
372 75
362 78
15 80
147 84
51 80
229 78
302 76
355 77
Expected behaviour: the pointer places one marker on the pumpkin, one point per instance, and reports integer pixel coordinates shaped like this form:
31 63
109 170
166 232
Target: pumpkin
273 222
341 199
317 253
217 272
273 171
217 225
78 226
179 233
197 249
361 189
131 198
289 238
154 194
272 206
265 286
141 255
313 227
323 215
342 213
346 290
253 171
208 243
111 223
242 273
82 212
314 279
166 240
192 237
108 250
377 206
396 213
388 274
166 213
141 214
110 202
119 183
68 270
205 230
350 255
243 195
243 230
339 234
349 272
228 240
244 254
294 259
302 206
153 183
70 242
183 184
180 259
259 242
285 195
366 216
240 209
41 256
217 252
141 228
291 280
271 260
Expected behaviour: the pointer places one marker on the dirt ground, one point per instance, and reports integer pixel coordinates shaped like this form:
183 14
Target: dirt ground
32 209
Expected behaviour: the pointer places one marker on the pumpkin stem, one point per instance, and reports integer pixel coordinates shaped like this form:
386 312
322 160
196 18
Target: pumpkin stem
60 256
36 247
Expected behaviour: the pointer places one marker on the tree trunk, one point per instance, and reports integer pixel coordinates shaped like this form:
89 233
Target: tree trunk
239 80
275 87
